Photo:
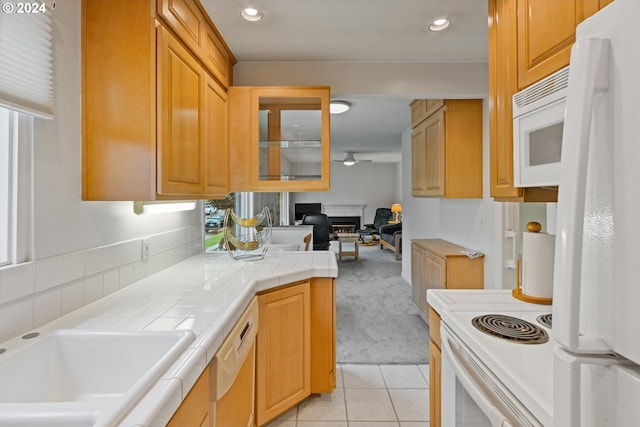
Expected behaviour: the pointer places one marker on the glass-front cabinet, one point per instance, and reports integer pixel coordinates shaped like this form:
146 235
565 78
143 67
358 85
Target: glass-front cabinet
279 138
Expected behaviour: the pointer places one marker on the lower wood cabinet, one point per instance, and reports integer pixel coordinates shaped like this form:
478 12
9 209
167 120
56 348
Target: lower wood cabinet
296 346
194 410
295 356
438 264
283 350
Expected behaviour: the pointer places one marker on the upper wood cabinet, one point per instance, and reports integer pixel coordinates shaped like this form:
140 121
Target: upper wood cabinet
280 138
155 118
200 35
528 40
546 32
446 148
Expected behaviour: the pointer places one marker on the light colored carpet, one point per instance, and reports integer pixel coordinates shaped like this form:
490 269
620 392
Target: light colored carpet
377 323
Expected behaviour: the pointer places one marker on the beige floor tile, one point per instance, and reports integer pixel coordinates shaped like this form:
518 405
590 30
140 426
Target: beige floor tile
425 371
362 376
327 406
373 424
369 404
290 415
322 424
403 376
411 404
414 424
282 423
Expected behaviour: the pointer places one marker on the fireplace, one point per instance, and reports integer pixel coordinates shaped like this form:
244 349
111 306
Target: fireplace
344 224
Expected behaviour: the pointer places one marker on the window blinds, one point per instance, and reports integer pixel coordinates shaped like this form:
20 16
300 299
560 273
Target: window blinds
26 75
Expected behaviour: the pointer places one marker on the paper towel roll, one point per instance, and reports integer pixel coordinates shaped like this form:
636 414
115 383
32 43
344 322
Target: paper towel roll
537 264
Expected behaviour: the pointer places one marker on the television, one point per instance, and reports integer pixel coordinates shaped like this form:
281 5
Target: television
301 209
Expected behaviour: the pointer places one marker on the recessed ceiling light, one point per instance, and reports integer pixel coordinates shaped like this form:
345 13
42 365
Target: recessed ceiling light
251 14
439 24
338 107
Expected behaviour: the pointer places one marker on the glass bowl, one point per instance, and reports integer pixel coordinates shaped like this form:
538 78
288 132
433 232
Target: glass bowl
247 238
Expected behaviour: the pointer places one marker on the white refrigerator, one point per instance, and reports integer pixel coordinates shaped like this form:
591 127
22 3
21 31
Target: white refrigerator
596 294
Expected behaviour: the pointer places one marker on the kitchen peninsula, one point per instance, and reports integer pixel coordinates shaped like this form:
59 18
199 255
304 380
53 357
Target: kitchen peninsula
207 294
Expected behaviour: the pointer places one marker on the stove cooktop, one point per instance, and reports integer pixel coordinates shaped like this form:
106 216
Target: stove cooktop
525 369
510 328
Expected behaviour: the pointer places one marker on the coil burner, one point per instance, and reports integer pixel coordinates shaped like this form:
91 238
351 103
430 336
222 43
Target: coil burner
510 328
545 320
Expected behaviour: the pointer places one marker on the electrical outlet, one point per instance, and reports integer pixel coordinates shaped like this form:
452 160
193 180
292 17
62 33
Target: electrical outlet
146 249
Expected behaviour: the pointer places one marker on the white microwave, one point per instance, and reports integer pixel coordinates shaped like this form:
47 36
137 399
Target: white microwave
538 119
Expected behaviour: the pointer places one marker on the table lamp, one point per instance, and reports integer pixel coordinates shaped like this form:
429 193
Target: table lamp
396 208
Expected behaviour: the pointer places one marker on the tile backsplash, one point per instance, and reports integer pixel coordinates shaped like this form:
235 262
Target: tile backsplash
37 292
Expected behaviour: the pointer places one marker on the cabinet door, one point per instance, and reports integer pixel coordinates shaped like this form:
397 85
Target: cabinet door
419 160
435 362
503 83
435 152
181 127
269 151
428 157
186 20
194 409
435 270
546 32
283 351
216 116
419 280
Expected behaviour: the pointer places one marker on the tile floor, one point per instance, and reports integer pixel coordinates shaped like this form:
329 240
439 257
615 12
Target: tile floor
367 396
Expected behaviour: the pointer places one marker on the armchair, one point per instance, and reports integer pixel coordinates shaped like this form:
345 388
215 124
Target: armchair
391 237
321 230
383 215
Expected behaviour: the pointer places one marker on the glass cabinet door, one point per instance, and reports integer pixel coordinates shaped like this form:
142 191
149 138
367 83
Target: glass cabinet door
288 143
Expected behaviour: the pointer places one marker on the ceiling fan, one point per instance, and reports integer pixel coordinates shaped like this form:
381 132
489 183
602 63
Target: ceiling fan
349 160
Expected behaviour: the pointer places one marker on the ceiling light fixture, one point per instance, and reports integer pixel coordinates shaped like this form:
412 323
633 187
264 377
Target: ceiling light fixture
251 14
349 160
338 107
439 24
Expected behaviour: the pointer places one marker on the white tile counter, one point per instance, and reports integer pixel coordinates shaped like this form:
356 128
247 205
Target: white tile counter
205 294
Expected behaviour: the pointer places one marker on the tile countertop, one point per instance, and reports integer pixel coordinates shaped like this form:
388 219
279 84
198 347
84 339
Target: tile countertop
206 294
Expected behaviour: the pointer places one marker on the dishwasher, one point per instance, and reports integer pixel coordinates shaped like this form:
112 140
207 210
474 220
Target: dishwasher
233 374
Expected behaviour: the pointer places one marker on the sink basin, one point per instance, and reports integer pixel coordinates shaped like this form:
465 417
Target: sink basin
83 377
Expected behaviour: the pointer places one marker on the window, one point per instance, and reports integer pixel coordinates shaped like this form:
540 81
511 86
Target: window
26 55
245 205
16 166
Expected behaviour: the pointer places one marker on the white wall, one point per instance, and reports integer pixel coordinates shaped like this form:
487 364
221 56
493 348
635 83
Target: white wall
63 222
412 80
371 184
466 222
82 250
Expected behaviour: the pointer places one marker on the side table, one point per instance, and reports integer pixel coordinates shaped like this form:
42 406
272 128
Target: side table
348 238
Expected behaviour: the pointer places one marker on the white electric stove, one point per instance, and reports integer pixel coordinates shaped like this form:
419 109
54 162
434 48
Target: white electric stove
509 381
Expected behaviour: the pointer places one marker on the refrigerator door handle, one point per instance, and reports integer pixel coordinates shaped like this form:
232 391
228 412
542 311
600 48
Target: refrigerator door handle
588 77
567 385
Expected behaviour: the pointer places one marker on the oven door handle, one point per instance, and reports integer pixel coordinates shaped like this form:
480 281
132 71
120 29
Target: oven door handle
496 417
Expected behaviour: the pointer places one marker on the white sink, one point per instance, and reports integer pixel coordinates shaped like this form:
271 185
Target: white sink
82 378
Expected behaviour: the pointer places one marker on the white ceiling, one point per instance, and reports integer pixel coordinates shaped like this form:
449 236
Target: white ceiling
391 31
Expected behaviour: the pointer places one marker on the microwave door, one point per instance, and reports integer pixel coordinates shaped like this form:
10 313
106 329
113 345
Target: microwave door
537 146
